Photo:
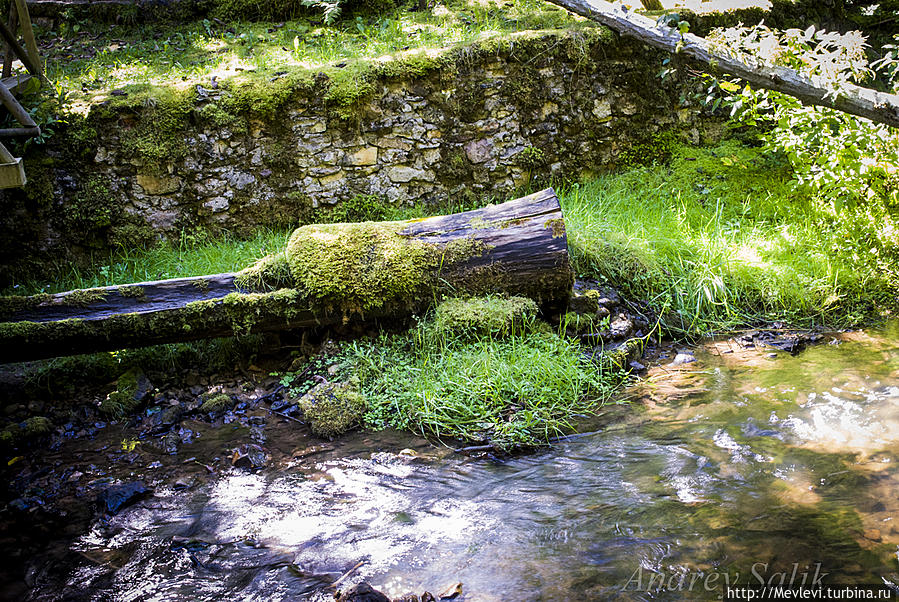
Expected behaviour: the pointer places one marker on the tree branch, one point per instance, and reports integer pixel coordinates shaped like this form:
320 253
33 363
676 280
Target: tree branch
863 102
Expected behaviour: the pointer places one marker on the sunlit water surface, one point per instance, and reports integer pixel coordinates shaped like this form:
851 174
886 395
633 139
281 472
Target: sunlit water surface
736 464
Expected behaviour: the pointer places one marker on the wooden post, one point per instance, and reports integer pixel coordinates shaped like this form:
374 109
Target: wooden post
28 34
10 55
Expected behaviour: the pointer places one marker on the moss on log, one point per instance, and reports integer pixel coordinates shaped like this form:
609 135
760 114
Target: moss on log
327 274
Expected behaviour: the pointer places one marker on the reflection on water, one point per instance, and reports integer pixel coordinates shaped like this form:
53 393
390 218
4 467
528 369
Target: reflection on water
738 464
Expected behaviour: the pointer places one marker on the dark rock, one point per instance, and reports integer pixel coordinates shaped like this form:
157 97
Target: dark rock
165 419
170 443
637 366
361 593
249 457
116 497
284 405
621 328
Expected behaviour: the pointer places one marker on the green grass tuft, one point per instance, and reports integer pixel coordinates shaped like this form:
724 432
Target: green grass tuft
519 391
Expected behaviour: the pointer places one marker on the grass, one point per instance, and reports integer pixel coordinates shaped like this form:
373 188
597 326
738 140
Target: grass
87 61
510 392
720 238
192 255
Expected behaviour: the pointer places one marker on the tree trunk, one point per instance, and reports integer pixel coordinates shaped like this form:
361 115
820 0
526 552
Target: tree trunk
864 102
327 274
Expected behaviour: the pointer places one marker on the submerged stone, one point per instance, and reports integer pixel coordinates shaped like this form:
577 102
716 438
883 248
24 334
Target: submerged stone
116 497
362 592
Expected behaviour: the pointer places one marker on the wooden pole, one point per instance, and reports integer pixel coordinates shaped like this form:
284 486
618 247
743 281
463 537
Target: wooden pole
28 34
10 55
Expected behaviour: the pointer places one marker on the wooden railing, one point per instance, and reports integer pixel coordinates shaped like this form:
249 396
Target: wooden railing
12 172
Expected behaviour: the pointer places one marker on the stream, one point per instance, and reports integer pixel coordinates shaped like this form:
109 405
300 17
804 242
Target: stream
737 467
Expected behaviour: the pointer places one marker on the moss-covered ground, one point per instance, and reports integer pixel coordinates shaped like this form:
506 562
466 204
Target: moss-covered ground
90 63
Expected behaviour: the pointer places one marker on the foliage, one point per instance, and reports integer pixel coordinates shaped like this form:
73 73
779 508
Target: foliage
842 159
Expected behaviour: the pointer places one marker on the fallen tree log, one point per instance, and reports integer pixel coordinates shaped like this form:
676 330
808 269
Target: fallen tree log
857 100
328 273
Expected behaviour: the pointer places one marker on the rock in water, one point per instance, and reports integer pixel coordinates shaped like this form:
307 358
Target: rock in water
249 457
114 498
683 357
361 593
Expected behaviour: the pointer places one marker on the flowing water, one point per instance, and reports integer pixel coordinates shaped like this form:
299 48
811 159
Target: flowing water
733 468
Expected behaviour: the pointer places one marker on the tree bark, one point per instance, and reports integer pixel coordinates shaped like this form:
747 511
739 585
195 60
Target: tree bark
516 248
863 102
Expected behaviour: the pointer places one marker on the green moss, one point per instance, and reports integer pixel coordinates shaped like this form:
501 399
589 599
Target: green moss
39 187
484 316
37 426
269 273
456 167
131 291
216 114
524 86
333 409
531 158
218 403
130 231
349 87
366 266
557 225
580 323
13 304
126 396
155 138
91 207
656 150
244 310
360 208
411 65
85 297
32 428
360 267
259 95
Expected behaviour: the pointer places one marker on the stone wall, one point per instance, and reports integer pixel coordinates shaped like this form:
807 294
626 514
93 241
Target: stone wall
479 122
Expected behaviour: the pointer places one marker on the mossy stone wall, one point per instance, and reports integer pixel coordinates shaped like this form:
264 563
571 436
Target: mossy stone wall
470 123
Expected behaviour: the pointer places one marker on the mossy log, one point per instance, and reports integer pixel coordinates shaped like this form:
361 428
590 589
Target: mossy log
327 274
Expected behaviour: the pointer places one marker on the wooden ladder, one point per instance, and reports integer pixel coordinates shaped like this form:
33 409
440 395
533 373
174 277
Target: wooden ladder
12 172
